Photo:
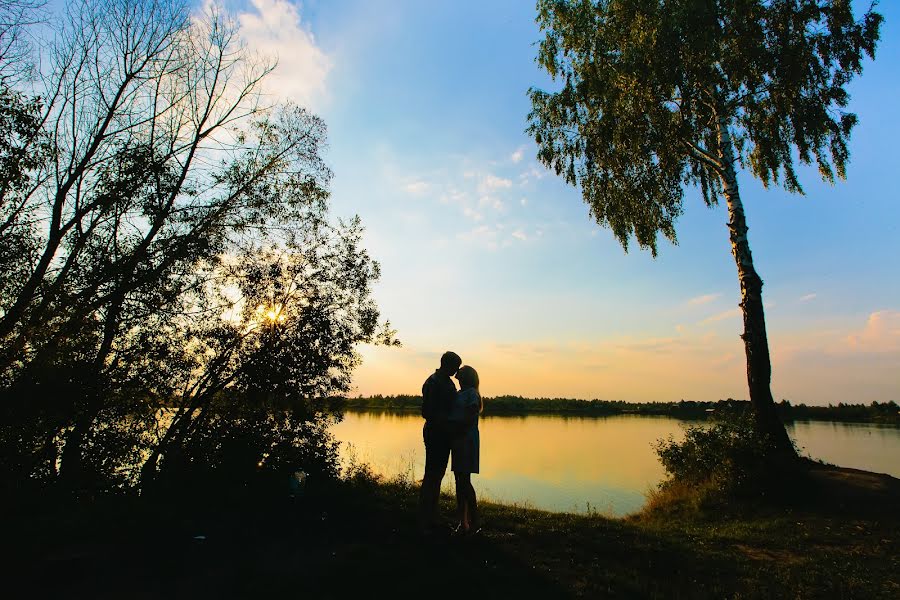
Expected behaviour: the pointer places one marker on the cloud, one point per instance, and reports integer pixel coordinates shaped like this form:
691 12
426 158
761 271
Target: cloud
851 363
496 236
517 156
727 314
485 235
473 214
274 29
731 313
807 298
704 299
416 188
533 172
492 201
881 333
491 182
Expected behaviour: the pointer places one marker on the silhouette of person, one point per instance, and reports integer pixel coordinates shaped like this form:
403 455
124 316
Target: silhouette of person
438 397
466 447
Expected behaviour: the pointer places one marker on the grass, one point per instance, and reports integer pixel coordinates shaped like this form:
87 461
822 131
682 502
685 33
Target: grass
358 537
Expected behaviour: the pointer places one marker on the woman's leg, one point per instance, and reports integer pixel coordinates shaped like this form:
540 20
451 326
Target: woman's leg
463 483
472 506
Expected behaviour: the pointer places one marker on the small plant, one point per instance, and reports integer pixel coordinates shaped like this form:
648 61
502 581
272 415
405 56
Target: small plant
357 471
729 459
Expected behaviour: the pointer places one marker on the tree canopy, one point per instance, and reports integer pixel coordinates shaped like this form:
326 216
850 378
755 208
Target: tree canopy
661 95
649 85
154 212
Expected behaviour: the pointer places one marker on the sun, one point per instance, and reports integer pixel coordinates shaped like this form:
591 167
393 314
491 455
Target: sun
273 313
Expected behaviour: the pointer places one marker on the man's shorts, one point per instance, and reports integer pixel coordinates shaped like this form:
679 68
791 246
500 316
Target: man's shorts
437 449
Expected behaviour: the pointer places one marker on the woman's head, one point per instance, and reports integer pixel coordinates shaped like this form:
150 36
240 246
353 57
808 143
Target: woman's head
467 377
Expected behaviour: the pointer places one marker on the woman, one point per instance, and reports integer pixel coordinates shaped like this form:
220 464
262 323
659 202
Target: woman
465 447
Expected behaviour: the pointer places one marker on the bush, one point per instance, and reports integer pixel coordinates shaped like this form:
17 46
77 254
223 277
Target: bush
726 460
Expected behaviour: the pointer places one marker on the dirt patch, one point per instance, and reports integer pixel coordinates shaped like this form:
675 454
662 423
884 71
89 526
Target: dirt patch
769 554
844 488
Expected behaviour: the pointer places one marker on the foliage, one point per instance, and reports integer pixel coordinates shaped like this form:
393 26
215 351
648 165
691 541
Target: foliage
174 292
728 459
876 412
659 95
884 412
650 87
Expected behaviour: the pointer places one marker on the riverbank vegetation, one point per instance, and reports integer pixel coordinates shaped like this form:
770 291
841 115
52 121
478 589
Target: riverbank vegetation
174 289
876 412
357 535
179 311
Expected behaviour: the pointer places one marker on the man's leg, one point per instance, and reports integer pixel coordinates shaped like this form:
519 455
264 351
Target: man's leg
437 454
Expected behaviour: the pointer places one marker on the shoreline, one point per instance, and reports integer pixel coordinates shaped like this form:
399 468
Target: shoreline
359 536
589 414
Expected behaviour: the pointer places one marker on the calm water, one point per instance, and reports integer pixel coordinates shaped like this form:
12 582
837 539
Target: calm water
580 464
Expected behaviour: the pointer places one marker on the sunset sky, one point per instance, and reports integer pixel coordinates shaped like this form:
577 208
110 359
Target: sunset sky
486 253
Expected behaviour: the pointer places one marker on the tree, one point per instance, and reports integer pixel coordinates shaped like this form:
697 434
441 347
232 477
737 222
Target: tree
658 95
16 17
141 173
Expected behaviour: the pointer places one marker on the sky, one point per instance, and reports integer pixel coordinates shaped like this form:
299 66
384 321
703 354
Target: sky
485 252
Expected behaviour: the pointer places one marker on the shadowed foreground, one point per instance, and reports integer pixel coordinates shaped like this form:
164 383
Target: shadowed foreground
358 538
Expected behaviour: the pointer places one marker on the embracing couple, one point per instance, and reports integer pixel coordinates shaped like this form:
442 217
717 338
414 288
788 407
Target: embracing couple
451 428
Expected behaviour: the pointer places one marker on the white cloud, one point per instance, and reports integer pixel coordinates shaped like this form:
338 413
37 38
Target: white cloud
704 299
274 29
492 201
731 313
491 182
416 188
533 172
807 298
727 314
483 234
472 213
494 236
517 156
524 201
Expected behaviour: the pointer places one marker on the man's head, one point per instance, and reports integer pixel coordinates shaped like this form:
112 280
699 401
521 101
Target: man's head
450 362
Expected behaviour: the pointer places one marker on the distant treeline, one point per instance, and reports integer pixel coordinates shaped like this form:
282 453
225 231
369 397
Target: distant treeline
884 412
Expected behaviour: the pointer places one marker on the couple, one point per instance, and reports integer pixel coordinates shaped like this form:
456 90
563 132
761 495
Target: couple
451 427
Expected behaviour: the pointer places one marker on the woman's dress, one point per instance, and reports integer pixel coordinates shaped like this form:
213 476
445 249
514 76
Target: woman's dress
466 443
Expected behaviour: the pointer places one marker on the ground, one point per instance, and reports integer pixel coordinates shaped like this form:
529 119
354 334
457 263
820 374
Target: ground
358 538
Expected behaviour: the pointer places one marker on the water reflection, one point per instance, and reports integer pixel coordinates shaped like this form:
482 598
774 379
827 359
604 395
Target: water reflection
554 463
580 464
866 446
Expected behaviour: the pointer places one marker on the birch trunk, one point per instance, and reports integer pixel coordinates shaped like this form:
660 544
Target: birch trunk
756 343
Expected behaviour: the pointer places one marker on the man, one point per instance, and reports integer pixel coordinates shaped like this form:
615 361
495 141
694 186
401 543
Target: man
438 394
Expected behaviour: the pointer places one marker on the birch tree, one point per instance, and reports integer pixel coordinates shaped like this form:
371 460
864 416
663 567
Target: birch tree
662 95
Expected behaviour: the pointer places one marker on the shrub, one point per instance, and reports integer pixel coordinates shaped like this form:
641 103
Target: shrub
728 459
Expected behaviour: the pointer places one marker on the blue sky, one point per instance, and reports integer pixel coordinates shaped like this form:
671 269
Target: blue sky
486 253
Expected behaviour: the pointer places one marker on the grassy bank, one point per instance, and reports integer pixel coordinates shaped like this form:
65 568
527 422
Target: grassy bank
358 537
885 412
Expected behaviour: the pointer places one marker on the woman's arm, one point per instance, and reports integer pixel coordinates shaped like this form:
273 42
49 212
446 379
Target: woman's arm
472 407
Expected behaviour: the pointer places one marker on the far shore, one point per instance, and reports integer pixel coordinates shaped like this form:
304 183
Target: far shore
879 413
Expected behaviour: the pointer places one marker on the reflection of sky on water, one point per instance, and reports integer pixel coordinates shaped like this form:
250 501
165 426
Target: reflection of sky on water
866 446
570 463
543 461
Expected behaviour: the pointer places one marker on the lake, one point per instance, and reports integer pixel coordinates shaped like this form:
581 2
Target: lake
586 464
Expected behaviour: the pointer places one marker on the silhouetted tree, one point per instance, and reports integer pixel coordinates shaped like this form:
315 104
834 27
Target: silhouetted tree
140 173
658 95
